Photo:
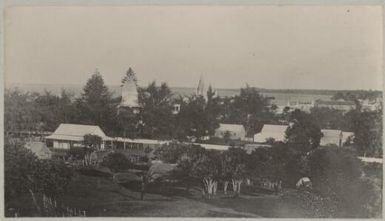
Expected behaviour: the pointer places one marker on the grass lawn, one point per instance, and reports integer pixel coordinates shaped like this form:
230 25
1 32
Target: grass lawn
99 196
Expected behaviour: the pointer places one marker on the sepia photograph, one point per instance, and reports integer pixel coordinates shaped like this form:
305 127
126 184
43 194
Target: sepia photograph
193 110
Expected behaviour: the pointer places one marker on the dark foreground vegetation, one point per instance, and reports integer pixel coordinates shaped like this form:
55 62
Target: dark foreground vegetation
342 186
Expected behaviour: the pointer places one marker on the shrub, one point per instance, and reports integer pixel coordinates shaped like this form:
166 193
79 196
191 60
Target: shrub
117 162
337 174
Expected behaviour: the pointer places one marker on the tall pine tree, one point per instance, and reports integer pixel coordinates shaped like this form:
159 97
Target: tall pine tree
96 105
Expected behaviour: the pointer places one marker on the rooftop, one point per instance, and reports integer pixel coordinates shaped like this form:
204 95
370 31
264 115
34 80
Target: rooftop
231 127
76 132
277 132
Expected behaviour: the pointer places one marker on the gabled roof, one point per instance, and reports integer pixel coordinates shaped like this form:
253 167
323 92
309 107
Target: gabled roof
76 132
231 127
333 136
277 132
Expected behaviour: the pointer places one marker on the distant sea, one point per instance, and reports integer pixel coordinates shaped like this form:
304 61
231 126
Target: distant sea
281 96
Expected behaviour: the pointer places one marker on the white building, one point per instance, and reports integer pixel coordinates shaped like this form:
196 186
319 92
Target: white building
235 131
276 132
129 94
72 135
344 106
303 105
335 137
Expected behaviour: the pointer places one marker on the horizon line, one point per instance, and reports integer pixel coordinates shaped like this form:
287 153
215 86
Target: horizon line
12 84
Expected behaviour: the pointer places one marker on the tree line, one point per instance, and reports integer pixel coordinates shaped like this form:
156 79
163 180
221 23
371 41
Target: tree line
199 116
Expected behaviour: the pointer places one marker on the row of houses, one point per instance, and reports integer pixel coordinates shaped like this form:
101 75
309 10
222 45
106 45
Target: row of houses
68 136
307 105
278 133
345 106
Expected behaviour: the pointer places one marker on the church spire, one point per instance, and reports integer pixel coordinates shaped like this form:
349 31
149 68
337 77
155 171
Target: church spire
200 91
129 90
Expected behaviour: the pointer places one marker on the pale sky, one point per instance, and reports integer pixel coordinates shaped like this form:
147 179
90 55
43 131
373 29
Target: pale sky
305 47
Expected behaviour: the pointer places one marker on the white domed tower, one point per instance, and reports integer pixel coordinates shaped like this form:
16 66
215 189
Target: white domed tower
129 95
129 92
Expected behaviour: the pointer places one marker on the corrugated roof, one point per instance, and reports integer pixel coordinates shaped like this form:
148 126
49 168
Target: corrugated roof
277 132
76 132
231 127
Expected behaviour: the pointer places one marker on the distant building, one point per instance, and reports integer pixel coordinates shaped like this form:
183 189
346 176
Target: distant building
269 131
335 137
234 131
370 105
67 136
129 94
134 149
344 106
303 105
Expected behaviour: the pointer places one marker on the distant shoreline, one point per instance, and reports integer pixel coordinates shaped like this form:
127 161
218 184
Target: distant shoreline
58 87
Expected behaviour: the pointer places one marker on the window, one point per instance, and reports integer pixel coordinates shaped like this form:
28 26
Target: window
176 109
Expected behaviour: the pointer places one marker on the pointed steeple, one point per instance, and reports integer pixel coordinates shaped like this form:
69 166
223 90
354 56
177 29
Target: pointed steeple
129 91
200 91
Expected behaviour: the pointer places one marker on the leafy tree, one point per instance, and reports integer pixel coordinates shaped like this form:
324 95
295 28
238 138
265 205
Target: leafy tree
156 111
303 133
192 119
207 169
92 141
259 163
37 112
170 153
130 75
234 167
249 109
336 174
128 123
329 118
117 162
24 173
96 105
212 111
186 164
20 111
53 177
367 128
